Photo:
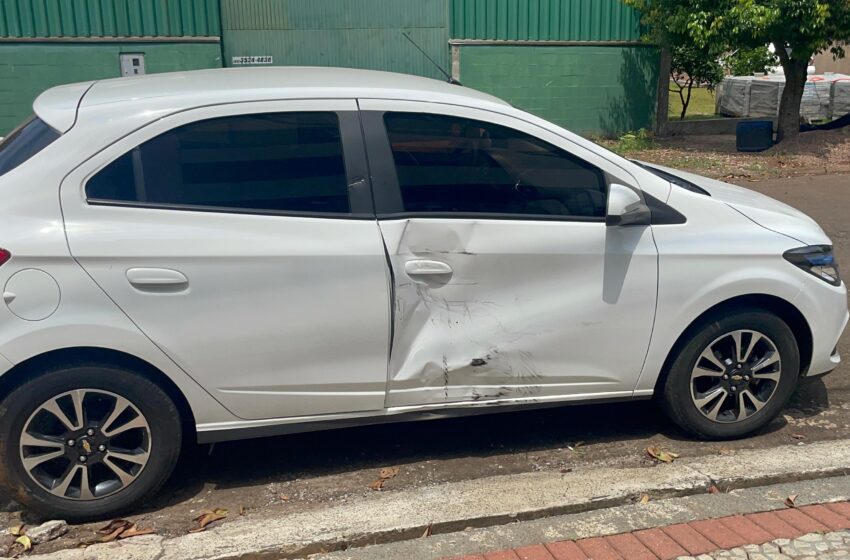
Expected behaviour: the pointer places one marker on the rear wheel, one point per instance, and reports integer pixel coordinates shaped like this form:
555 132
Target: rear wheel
733 376
87 442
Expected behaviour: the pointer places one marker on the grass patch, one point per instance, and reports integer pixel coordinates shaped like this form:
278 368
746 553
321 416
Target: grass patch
630 142
701 106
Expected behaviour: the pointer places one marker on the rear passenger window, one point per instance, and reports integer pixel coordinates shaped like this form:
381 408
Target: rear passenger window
454 165
291 162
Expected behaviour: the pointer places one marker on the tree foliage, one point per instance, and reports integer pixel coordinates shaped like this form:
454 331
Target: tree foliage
798 28
746 62
692 66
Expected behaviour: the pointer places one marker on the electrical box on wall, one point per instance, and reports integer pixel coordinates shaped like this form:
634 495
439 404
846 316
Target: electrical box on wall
132 64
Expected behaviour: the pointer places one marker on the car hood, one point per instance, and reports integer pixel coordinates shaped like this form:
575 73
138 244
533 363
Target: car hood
763 210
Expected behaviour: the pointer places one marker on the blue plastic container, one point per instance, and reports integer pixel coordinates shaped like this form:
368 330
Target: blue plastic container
754 136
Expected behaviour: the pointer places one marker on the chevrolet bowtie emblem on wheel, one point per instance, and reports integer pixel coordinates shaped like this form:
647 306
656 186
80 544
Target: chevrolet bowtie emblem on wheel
86 446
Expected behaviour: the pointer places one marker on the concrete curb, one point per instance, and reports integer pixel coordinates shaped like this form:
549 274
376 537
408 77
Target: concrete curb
398 516
604 522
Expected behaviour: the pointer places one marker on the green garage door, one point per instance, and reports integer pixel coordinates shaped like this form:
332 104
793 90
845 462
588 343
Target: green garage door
354 34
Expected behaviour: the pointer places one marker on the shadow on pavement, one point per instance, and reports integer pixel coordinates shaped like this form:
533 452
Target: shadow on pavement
257 462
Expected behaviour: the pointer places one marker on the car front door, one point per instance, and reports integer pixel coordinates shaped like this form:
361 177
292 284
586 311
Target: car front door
508 285
241 239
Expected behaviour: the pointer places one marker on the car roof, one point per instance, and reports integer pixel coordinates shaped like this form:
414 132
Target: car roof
185 90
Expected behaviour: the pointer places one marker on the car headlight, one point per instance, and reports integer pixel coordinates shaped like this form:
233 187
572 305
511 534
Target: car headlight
817 260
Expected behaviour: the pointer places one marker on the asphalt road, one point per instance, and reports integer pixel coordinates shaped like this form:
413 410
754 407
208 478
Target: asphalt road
308 471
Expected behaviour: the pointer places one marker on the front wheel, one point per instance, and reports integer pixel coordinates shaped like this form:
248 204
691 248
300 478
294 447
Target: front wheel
733 376
87 442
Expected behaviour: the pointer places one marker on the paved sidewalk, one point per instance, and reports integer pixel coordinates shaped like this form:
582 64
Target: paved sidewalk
813 531
827 546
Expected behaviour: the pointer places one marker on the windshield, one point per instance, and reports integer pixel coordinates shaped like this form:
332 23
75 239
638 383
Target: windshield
24 142
674 179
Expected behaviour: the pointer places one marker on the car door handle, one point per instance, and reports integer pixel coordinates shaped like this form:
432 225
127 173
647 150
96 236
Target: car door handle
157 279
427 268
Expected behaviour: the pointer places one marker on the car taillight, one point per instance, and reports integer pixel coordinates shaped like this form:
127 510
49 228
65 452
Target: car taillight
4 256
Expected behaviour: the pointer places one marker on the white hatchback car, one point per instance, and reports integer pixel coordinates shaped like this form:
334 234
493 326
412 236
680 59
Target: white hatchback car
226 254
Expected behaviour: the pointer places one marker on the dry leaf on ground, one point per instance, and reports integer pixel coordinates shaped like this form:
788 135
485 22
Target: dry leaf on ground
113 525
384 475
429 530
17 530
119 529
206 518
134 531
25 542
791 500
661 454
644 499
113 529
388 472
713 489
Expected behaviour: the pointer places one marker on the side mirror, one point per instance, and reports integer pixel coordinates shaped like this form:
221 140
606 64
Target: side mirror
625 208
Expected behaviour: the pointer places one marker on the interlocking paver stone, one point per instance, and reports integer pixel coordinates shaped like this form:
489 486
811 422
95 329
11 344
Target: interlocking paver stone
772 535
813 546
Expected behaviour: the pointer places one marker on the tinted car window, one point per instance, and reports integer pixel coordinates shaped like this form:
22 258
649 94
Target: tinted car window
273 162
24 142
455 165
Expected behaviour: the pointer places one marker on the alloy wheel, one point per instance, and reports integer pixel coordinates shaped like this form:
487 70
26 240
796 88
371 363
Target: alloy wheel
85 444
735 376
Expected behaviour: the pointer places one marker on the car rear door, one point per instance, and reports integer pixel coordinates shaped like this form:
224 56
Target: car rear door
508 285
241 239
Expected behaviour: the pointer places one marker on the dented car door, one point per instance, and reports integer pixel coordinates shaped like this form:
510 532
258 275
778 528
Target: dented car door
508 286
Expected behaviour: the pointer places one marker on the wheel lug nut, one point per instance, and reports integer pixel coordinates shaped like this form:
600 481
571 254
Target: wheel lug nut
725 376
90 431
101 448
82 458
734 389
71 443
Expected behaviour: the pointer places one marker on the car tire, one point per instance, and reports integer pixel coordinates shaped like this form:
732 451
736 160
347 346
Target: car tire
698 398
125 457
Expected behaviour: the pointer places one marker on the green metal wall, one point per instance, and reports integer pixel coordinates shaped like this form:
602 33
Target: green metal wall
109 18
27 69
591 90
353 33
544 20
44 43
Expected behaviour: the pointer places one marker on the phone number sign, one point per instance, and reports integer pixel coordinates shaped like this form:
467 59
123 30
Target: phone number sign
243 60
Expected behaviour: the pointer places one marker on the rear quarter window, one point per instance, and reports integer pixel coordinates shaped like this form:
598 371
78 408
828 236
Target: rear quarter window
24 142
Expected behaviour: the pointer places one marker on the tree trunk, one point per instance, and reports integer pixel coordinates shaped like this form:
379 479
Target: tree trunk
789 106
687 102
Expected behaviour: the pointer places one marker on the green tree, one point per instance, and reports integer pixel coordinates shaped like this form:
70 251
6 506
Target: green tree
799 29
746 62
692 66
